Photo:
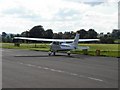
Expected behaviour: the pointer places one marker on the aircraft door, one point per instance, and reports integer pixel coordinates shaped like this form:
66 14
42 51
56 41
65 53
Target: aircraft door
55 46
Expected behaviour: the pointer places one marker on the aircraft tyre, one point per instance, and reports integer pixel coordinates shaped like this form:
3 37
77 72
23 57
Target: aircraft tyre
49 53
68 53
54 53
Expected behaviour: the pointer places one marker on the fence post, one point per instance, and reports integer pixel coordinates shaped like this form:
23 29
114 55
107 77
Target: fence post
97 52
17 44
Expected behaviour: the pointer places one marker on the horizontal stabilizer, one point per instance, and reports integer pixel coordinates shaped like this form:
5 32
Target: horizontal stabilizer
83 47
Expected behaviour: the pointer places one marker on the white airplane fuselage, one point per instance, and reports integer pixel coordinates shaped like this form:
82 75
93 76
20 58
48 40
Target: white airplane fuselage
61 46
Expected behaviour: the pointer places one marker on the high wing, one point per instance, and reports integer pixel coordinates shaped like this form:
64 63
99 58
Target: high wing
57 40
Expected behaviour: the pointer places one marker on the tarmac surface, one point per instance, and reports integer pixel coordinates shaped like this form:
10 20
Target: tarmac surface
35 69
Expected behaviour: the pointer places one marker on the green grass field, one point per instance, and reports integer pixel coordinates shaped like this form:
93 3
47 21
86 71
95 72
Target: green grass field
105 49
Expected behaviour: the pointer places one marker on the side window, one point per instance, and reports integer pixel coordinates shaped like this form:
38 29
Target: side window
56 43
61 42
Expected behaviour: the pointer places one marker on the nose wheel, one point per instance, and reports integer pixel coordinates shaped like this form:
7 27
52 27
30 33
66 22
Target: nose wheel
68 53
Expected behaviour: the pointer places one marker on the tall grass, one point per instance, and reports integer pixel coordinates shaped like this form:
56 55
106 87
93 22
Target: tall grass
105 49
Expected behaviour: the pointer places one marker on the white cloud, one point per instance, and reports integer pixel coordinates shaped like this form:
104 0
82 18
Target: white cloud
60 15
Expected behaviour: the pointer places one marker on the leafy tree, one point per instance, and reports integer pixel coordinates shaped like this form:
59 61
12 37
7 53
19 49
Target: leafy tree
55 35
58 35
12 35
7 38
0 38
49 33
116 34
72 34
4 34
107 39
67 35
18 35
119 34
37 32
83 33
4 39
25 34
110 40
91 33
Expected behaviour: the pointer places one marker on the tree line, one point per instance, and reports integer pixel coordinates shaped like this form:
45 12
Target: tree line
39 32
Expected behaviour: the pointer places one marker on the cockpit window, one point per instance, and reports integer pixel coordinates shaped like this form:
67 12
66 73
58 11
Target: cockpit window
65 45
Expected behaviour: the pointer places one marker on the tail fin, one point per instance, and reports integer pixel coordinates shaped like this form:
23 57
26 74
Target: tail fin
76 40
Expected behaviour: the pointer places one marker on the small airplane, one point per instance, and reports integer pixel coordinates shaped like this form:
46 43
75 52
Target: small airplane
61 44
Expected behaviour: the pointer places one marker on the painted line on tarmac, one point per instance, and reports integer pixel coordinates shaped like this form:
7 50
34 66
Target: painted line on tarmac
60 71
95 79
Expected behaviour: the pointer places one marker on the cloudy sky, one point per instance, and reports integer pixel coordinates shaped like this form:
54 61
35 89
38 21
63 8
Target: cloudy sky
17 16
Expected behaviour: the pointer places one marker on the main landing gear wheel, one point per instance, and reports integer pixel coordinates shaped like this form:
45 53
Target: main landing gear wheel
49 53
68 53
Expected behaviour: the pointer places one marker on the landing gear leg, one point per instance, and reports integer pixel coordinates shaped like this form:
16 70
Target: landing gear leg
54 53
51 53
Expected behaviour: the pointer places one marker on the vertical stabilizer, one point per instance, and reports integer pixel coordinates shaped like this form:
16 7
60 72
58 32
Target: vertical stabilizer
76 40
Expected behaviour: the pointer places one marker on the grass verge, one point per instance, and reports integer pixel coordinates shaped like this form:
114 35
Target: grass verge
110 50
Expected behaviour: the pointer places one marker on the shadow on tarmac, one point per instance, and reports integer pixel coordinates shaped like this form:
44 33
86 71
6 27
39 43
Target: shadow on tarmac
66 56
